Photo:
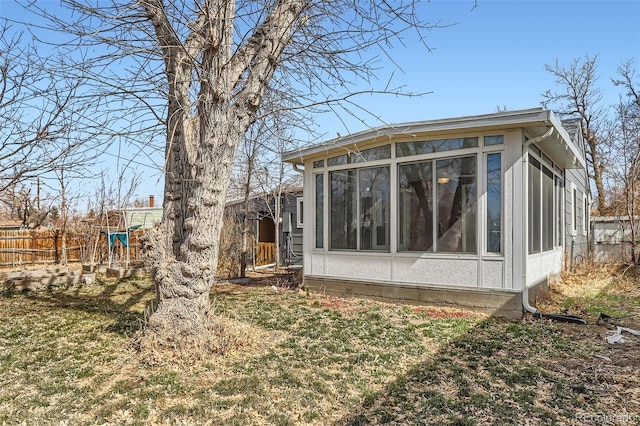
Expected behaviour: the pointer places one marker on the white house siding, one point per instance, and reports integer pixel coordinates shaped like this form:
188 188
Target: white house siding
493 274
314 264
439 271
543 266
144 217
369 266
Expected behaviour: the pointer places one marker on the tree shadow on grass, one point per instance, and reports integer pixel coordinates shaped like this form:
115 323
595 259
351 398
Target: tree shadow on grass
123 300
503 372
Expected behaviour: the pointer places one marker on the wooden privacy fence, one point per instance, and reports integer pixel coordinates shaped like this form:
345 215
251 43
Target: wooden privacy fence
37 247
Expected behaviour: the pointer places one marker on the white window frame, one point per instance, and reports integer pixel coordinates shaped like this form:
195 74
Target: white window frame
299 212
574 210
484 218
585 214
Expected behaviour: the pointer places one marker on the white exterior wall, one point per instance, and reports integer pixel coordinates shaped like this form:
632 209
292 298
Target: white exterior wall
513 269
541 266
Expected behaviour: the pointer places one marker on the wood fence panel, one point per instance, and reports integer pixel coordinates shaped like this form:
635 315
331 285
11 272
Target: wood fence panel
19 248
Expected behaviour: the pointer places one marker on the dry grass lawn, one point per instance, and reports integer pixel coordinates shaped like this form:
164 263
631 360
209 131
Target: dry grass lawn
68 356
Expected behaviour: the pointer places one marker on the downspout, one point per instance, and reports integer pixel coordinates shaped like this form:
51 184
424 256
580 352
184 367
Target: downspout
297 169
525 229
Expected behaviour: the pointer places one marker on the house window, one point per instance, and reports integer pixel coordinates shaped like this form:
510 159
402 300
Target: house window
374 208
453 220
360 209
300 211
545 210
574 216
404 149
415 210
377 153
559 211
372 154
319 210
318 164
585 215
534 205
494 202
344 203
493 140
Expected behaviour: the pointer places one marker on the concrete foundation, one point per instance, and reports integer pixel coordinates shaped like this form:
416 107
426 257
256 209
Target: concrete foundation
506 303
44 279
100 269
126 272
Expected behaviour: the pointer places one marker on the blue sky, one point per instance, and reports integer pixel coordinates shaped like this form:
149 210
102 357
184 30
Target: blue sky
495 55
490 55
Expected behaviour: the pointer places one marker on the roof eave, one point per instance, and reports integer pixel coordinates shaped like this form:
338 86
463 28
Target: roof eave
486 121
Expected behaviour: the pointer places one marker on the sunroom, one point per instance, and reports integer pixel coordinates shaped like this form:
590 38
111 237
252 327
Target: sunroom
466 211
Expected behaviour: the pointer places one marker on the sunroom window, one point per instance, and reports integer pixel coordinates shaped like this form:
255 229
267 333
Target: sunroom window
438 201
545 210
494 202
404 149
319 195
360 209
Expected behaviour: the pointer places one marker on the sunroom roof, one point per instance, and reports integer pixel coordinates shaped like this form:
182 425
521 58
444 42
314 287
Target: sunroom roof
535 121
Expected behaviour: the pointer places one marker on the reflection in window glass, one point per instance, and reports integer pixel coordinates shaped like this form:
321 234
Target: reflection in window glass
371 154
547 211
404 149
575 210
374 208
534 205
494 202
415 211
493 140
585 215
319 210
377 153
559 221
339 160
343 220
319 163
456 213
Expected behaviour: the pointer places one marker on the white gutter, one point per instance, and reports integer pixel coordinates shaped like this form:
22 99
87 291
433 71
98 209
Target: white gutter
297 169
525 229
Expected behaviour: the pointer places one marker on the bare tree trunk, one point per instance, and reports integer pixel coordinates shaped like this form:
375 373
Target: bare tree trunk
200 150
245 219
598 171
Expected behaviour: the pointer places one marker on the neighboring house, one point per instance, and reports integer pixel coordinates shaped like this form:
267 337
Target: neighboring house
263 229
142 217
472 211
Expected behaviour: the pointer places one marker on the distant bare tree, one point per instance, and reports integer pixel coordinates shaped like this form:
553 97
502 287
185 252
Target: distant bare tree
579 96
36 112
624 135
627 80
26 207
